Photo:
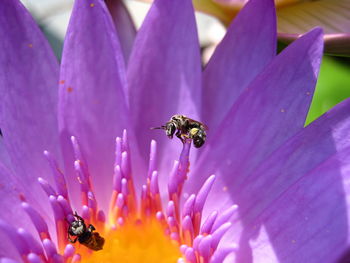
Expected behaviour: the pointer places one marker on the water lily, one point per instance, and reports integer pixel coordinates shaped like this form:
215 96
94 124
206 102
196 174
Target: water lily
295 17
279 190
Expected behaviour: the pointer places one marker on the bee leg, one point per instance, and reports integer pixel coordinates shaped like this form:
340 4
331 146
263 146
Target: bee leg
179 135
72 240
91 228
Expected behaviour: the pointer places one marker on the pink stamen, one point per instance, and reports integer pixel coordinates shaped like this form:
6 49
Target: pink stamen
204 249
199 202
118 151
208 223
187 230
224 217
31 242
182 230
187 209
34 258
190 255
37 220
57 175
152 159
76 258
48 189
218 234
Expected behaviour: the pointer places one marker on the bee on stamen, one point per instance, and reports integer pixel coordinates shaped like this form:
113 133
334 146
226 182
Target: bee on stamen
185 128
84 235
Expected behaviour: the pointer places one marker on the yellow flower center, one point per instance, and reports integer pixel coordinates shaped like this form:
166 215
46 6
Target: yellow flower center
132 243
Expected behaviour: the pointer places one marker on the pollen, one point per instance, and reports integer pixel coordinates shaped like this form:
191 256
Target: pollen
136 242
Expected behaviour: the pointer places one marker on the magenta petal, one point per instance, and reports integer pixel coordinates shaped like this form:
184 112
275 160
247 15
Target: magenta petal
91 99
125 26
272 109
28 91
164 74
242 54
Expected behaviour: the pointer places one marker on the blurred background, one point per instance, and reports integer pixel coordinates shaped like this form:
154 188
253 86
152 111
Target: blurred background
333 84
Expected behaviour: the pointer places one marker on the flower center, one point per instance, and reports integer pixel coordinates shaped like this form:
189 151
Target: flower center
133 231
136 242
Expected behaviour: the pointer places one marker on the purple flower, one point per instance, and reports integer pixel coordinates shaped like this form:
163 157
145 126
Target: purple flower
279 193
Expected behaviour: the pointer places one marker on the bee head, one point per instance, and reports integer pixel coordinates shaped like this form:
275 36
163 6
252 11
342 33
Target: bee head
77 228
170 129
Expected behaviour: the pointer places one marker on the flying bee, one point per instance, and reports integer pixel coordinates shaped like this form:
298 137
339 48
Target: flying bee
185 128
84 235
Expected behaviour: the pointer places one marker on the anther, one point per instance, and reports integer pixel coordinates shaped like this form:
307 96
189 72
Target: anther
187 209
152 158
57 175
34 258
208 223
204 248
224 217
31 242
38 221
69 251
118 151
76 258
190 255
200 200
218 234
187 230
48 189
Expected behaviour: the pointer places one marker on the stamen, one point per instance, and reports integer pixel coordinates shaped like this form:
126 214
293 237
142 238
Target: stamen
218 234
187 230
188 206
118 151
34 258
69 251
220 255
76 258
180 227
190 255
208 223
152 159
57 175
31 242
67 210
224 217
49 248
199 202
60 222
204 249
48 189
38 221
15 238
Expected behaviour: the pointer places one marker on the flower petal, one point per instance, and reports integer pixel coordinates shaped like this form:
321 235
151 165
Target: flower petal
332 16
164 73
308 221
272 109
91 99
294 171
125 26
28 91
246 49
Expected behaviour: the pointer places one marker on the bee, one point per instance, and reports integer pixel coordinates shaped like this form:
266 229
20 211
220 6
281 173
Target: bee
84 235
185 128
